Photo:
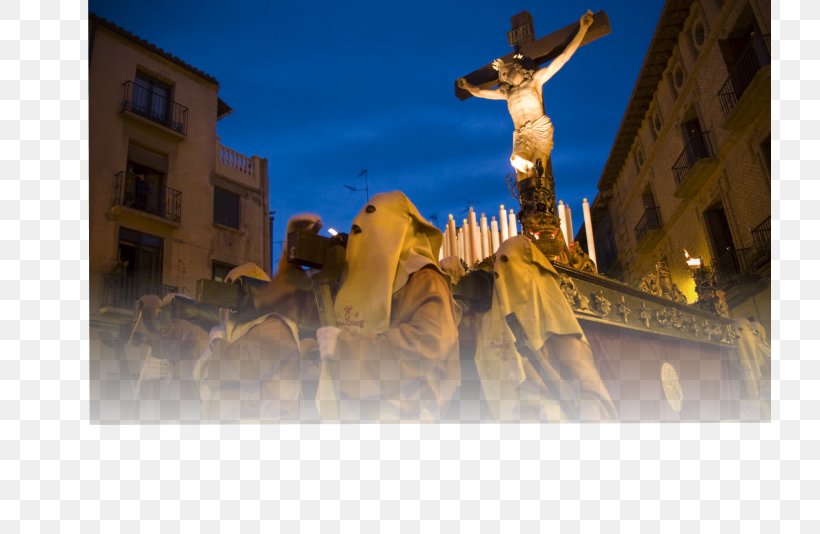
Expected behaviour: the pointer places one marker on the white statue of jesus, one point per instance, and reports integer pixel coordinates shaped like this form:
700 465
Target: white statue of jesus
521 88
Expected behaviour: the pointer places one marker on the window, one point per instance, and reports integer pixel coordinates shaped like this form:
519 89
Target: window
226 208
694 138
651 217
143 187
639 157
677 77
726 262
656 122
151 98
139 267
219 270
698 34
648 198
745 51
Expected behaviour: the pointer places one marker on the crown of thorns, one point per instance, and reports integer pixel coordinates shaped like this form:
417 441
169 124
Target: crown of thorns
522 63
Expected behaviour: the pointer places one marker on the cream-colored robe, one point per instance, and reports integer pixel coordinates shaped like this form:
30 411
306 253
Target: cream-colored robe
397 354
409 371
254 373
567 386
754 360
259 370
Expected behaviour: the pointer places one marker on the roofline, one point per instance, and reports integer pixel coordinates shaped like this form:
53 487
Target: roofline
672 19
95 19
222 109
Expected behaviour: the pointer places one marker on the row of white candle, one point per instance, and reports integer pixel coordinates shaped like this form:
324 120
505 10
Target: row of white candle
565 216
478 238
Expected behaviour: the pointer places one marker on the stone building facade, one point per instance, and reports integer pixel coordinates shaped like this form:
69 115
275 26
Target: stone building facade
169 204
690 167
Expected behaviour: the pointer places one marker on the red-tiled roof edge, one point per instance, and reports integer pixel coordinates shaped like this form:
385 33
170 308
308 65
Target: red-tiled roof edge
658 52
96 19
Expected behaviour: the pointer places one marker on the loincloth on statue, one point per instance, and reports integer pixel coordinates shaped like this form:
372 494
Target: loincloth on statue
532 139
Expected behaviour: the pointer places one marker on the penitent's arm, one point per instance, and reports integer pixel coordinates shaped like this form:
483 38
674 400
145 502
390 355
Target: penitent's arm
542 75
489 94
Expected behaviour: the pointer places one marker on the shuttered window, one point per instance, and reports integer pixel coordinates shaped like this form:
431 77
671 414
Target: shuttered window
226 208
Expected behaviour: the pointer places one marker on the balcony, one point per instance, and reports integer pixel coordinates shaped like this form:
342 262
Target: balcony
695 164
147 104
134 192
238 167
762 239
121 292
748 88
648 230
732 266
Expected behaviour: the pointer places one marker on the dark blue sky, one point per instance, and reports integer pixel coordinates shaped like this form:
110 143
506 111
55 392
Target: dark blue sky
325 89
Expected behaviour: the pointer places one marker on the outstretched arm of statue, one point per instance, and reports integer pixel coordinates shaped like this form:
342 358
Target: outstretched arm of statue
489 94
542 75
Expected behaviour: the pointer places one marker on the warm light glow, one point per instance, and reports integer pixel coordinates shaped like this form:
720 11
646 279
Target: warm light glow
332 232
520 163
693 263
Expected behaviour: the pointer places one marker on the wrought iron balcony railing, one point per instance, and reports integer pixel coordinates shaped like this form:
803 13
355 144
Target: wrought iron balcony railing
135 191
122 291
651 220
762 236
156 107
732 265
755 56
696 148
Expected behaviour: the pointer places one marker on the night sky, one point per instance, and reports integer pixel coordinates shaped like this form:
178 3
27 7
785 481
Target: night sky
327 89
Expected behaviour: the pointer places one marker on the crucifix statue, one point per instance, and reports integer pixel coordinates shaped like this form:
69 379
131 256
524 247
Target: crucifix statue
519 81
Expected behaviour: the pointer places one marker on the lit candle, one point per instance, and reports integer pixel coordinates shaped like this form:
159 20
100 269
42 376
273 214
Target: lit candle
485 237
476 239
562 216
503 223
494 234
513 225
570 231
590 236
467 237
460 238
452 236
442 251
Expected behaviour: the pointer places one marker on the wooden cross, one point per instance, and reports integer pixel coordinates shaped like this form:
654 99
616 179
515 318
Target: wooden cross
522 38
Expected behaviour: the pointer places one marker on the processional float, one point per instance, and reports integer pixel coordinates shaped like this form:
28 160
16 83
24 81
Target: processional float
661 358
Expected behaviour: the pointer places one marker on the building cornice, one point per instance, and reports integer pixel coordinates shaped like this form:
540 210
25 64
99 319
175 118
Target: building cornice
664 40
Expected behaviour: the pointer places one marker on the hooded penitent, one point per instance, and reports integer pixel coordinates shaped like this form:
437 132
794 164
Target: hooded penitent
562 382
253 370
753 352
389 240
398 349
247 270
